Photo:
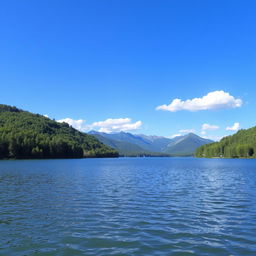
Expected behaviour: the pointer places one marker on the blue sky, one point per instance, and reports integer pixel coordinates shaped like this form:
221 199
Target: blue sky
98 60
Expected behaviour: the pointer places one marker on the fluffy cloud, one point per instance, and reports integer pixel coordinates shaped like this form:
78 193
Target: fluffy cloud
175 135
235 127
209 127
213 100
187 130
116 125
108 126
77 124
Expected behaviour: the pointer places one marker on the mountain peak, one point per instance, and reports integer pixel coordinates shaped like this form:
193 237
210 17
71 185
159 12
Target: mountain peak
181 145
191 134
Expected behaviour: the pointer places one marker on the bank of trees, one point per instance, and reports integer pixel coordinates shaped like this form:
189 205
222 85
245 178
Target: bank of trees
25 135
240 145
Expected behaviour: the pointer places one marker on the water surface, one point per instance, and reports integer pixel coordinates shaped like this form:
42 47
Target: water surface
128 206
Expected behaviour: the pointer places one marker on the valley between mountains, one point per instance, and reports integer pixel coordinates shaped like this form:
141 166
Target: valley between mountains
128 144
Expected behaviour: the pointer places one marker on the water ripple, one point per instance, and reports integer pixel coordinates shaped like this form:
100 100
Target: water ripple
144 206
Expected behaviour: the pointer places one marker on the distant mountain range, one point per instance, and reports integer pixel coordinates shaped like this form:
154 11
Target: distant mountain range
128 144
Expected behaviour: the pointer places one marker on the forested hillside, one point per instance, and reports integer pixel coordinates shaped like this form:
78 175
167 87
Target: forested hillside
242 144
25 135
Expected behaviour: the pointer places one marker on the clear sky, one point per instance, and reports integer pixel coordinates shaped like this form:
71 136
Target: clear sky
93 60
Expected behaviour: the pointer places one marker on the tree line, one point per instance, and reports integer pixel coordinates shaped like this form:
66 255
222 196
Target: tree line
25 135
240 145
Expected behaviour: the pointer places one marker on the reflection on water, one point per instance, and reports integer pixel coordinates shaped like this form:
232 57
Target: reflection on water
128 206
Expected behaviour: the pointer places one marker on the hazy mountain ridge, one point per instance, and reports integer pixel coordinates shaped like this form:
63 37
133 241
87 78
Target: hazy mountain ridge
186 145
124 148
132 144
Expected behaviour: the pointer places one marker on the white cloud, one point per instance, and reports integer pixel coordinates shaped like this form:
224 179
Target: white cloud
175 135
108 126
187 130
46 116
116 125
210 127
214 138
213 100
77 124
235 127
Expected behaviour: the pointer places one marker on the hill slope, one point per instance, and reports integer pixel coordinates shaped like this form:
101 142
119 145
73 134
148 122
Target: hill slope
26 135
241 144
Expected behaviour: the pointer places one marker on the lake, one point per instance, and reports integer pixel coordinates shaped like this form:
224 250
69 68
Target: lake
128 206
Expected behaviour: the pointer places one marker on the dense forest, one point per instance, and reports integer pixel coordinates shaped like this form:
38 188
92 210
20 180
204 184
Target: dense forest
25 135
240 145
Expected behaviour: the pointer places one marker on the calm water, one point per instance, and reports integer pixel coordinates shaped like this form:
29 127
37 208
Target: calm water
128 206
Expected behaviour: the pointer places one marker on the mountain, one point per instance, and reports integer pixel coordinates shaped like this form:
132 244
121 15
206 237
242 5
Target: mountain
157 143
240 145
124 148
147 143
185 145
25 135
139 144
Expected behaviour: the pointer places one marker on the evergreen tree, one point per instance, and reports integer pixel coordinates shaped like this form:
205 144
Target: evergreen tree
26 135
242 144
